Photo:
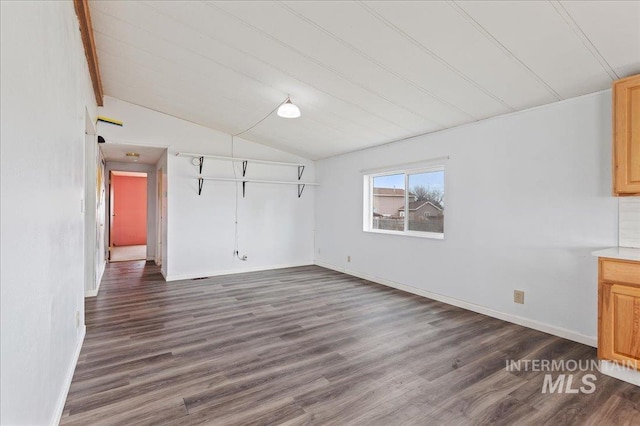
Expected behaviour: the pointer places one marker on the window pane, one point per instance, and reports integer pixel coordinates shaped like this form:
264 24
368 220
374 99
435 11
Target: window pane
388 201
426 202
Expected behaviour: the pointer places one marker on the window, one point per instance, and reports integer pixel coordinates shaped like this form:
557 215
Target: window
405 202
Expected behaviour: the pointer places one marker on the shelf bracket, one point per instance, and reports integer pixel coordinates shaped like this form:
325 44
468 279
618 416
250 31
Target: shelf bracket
200 182
300 187
244 167
244 183
200 163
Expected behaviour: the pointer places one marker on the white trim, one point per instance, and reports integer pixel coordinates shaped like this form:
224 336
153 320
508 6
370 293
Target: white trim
419 234
616 371
368 197
94 293
57 414
409 167
101 274
235 271
525 322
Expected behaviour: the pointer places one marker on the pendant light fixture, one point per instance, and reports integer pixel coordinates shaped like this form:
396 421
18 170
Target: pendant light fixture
288 110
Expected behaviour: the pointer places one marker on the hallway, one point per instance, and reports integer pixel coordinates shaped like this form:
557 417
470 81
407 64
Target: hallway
127 253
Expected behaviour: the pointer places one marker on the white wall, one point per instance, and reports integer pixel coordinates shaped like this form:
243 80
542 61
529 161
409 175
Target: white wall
101 222
91 267
275 226
161 218
45 90
150 170
94 215
528 197
630 222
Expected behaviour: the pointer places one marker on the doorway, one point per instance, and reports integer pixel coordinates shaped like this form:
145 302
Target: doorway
128 212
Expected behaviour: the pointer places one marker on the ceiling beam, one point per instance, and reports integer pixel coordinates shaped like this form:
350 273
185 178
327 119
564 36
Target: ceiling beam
86 30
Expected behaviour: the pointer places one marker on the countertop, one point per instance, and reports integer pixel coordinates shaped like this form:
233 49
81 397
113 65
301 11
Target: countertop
623 253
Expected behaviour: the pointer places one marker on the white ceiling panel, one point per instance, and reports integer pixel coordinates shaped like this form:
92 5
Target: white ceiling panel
536 34
391 50
363 73
442 32
193 45
399 99
372 53
614 29
113 151
303 67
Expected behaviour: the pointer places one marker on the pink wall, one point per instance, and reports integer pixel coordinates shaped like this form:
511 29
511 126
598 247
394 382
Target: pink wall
129 225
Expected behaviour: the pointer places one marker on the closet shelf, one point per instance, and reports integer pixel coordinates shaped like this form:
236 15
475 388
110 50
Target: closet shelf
283 182
244 179
301 184
239 159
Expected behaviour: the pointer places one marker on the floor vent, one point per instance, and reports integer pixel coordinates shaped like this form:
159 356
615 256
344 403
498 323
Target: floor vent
201 278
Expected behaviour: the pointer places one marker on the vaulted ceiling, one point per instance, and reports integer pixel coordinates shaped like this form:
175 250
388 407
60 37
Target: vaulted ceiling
362 73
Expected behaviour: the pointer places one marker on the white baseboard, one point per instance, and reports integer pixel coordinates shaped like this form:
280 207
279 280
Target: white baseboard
101 273
617 371
57 414
525 322
151 258
235 271
94 293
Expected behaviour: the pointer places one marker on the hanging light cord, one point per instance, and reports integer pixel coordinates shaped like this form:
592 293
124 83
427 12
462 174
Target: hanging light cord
260 121
236 252
235 221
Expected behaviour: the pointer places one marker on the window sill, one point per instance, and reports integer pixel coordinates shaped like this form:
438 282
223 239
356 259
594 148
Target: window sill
429 235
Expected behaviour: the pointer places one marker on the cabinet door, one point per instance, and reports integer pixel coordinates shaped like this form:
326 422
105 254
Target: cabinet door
626 136
620 333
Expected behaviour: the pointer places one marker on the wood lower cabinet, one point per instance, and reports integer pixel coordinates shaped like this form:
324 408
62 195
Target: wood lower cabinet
626 136
619 311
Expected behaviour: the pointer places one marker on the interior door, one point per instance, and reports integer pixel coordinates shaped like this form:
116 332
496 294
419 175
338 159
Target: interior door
128 209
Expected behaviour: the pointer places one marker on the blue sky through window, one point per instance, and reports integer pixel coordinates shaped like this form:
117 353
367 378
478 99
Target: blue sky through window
430 180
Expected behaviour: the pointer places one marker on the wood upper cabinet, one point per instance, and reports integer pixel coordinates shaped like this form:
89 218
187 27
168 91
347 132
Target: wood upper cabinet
626 136
619 311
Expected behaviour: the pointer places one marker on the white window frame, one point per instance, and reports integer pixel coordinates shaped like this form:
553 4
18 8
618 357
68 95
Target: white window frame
367 222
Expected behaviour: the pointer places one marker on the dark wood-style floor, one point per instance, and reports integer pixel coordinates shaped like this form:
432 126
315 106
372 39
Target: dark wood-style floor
312 346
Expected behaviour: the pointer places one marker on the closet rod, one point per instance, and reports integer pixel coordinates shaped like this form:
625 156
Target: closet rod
238 159
282 182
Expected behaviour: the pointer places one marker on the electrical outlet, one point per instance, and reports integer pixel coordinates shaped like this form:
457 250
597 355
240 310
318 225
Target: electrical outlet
518 296
77 319
348 258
